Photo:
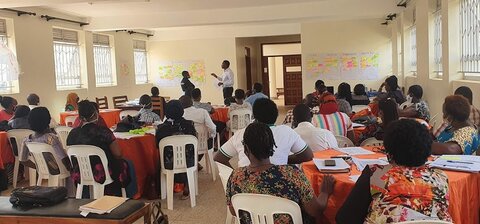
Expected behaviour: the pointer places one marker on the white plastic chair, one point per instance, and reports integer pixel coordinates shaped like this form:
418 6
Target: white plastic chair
344 141
262 207
15 138
225 172
37 150
425 222
239 119
83 153
125 113
372 142
357 108
203 136
62 132
70 120
178 143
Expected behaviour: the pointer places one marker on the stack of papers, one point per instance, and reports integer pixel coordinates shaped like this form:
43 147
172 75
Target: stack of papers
362 163
353 151
340 166
465 163
105 204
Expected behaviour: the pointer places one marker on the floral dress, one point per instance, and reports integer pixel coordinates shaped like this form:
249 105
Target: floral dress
285 181
408 193
467 138
422 110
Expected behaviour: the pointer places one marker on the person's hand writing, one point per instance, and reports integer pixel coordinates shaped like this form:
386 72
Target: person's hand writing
213 74
328 184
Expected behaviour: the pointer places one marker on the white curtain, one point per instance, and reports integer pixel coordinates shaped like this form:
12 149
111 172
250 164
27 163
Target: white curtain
8 64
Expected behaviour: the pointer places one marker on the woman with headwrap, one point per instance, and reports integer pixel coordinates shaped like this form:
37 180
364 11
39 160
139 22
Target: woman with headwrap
72 102
176 125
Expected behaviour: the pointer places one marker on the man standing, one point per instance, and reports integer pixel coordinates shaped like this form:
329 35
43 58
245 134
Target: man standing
226 80
187 86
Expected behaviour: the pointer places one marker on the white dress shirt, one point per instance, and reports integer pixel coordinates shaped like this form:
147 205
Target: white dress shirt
316 138
226 78
200 116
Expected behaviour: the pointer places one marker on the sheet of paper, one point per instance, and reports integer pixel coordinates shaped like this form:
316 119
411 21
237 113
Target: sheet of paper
340 164
357 125
464 163
362 163
103 205
353 151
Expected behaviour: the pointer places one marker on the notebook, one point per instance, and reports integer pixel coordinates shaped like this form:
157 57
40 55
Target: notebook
340 166
463 163
103 205
353 151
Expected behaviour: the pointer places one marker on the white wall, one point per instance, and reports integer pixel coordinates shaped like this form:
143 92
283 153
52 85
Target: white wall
34 48
212 51
282 49
347 37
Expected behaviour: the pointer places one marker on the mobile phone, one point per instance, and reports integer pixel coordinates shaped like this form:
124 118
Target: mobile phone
330 162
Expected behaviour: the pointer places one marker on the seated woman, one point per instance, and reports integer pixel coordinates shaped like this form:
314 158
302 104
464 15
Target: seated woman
9 104
39 121
460 136
101 122
388 113
344 98
90 133
146 114
404 190
72 102
393 90
418 107
20 119
158 102
176 125
285 181
333 120
359 96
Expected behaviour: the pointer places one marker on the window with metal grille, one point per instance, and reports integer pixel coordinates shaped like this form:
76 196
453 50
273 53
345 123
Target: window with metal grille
437 39
6 86
102 55
413 49
470 38
140 57
67 59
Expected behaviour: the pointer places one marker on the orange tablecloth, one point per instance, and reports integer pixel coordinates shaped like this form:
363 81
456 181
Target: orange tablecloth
111 116
220 114
6 154
464 189
143 152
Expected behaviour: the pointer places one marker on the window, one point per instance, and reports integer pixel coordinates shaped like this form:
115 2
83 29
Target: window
67 59
413 49
102 55
140 57
470 38
8 64
437 39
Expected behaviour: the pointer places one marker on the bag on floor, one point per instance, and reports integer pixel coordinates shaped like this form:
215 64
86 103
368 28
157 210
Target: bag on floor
158 217
37 196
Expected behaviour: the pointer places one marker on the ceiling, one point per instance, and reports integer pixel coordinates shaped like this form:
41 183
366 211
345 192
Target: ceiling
157 14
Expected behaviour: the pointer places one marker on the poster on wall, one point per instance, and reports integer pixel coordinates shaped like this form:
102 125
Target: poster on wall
170 73
346 66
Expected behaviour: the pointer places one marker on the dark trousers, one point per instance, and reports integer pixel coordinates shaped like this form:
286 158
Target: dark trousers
227 92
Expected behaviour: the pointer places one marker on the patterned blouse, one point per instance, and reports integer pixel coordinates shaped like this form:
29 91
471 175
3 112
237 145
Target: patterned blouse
344 106
285 181
467 138
407 193
422 110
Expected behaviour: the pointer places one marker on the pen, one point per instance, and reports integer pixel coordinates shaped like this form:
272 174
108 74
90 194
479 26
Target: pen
450 161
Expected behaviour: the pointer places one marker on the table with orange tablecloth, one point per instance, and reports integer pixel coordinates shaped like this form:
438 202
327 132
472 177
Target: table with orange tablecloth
464 189
111 116
143 153
6 154
220 114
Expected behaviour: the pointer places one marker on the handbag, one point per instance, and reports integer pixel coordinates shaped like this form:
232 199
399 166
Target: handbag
128 123
157 215
37 196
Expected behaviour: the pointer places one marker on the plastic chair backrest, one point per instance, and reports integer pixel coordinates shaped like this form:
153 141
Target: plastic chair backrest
125 113
224 172
63 132
262 207
39 151
425 222
240 119
372 142
202 136
178 143
357 108
344 141
83 153
70 120
16 137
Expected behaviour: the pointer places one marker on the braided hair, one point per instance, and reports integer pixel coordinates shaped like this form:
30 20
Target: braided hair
258 138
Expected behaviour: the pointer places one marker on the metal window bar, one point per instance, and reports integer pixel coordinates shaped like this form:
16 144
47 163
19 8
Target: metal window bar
437 43
67 65
470 37
413 48
103 65
141 75
5 86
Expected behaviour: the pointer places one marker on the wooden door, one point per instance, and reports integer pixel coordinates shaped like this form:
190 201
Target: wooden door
265 78
292 79
248 67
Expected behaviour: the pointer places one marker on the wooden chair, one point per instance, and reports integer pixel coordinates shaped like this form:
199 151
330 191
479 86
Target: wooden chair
118 100
102 102
157 106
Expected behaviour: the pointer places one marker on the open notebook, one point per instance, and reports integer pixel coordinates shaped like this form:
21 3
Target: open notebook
465 163
340 166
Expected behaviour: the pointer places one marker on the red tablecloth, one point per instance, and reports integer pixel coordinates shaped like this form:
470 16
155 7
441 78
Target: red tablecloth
143 152
464 189
220 114
6 154
111 116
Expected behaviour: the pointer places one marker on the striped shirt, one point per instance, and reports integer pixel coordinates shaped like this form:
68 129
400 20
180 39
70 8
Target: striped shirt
338 123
